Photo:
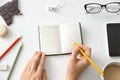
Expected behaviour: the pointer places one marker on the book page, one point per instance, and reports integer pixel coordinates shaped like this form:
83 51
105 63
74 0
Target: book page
69 33
50 39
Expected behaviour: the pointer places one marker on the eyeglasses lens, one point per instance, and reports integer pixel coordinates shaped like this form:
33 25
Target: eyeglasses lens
93 8
113 7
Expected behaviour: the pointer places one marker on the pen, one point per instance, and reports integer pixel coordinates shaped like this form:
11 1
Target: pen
19 50
90 60
8 49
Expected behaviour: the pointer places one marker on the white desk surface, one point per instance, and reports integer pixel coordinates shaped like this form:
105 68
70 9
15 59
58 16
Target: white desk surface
35 14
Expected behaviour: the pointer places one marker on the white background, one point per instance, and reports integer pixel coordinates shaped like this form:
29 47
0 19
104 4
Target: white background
35 13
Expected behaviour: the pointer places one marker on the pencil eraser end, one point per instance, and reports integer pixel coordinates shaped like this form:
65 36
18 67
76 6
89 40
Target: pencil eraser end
3 67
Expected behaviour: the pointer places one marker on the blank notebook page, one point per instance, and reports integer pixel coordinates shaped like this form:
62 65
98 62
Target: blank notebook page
50 39
69 33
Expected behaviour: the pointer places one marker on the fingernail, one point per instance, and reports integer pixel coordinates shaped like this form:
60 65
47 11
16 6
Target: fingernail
36 52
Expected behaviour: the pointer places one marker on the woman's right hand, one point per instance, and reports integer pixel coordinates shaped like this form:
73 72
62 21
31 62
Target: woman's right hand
78 63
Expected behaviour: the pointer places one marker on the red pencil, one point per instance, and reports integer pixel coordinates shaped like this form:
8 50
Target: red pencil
8 49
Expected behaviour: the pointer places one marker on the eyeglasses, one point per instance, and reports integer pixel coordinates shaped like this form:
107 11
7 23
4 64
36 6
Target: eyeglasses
93 8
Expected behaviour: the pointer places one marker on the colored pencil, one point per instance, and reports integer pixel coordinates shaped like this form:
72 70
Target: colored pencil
18 53
90 60
8 49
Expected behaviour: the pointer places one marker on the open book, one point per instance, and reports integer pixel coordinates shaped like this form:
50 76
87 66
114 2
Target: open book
58 39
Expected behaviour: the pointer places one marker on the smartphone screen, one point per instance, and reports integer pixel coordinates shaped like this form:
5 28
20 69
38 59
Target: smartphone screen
113 33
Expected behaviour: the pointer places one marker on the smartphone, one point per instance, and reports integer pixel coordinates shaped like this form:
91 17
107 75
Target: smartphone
113 34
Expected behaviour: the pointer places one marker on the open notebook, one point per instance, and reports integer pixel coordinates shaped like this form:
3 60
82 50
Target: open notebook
58 39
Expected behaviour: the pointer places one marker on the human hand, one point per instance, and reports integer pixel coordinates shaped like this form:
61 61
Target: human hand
77 63
34 69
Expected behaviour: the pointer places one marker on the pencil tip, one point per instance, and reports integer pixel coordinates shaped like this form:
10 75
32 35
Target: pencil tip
75 44
22 44
20 36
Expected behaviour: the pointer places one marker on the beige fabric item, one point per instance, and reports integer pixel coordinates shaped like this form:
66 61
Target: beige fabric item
3 30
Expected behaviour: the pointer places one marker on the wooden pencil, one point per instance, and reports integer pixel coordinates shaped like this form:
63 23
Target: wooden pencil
11 70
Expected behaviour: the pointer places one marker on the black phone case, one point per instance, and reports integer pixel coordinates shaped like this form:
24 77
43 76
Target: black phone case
113 34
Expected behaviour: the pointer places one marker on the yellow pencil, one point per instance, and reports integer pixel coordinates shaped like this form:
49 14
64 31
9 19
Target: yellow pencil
93 64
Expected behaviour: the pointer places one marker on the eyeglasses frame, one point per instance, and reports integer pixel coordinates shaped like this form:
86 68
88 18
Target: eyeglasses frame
102 6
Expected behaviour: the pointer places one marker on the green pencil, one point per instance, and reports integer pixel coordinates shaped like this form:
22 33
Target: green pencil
19 50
